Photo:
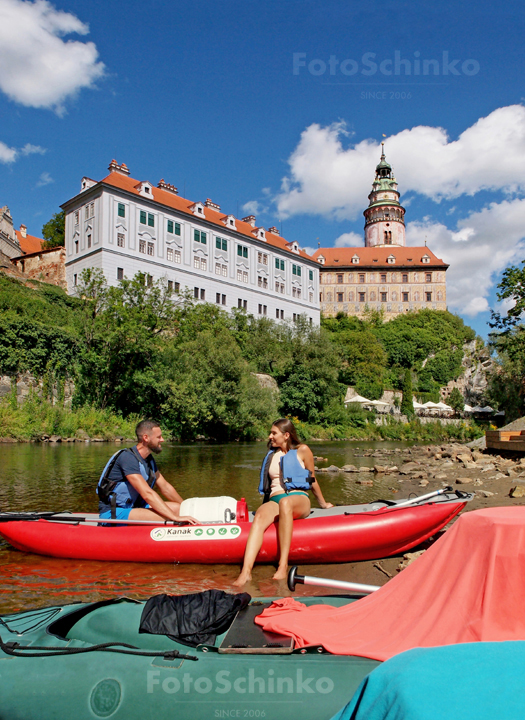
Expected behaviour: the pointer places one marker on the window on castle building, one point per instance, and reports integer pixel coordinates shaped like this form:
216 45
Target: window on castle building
89 241
120 273
340 278
310 297
405 277
76 246
199 236
277 313
428 296
149 280
142 246
282 314
428 277
361 277
121 212
218 298
221 243
120 239
143 217
196 293
76 217
311 275
75 279
242 251
383 277
177 256
298 292
405 297
361 297
151 220
173 227
169 254
262 258
279 264
203 294
339 297
151 248
262 282
383 297
296 270
245 276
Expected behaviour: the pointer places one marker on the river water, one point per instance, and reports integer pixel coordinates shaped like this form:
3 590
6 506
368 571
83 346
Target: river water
64 476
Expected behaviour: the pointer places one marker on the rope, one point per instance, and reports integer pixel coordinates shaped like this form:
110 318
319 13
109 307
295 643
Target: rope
16 650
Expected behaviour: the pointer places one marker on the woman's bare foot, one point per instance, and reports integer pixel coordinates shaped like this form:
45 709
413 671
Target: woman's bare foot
243 578
281 574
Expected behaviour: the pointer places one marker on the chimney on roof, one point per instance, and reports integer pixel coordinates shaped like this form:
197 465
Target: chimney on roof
166 186
273 230
249 219
115 167
23 231
212 205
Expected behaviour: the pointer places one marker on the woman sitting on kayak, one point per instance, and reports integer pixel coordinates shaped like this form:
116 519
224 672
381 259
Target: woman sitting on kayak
287 473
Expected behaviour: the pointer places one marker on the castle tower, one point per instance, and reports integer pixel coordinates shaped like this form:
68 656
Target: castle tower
384 216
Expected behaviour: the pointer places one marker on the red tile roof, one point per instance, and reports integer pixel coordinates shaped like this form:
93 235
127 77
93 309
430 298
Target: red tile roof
377 256
169 199
29 243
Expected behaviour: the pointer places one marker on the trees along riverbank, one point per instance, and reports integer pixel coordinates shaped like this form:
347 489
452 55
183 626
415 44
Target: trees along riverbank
139 349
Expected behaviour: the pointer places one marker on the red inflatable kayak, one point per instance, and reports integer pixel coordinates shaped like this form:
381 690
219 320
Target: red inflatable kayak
341 534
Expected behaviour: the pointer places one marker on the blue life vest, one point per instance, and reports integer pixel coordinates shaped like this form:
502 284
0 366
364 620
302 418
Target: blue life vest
125 495
293 476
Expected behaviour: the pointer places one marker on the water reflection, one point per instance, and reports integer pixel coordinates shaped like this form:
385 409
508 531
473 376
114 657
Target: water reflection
64 477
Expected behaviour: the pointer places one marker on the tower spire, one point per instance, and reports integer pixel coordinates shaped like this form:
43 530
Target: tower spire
384 216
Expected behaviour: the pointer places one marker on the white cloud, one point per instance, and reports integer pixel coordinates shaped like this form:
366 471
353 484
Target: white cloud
37 67
7 154
252 208
29 149
349 239
45 179
10 154
328 179
483 244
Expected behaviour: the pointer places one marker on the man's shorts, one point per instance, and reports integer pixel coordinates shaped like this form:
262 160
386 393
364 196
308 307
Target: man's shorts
121 513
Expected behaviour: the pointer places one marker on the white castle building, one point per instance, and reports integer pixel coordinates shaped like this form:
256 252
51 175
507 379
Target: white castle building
124 226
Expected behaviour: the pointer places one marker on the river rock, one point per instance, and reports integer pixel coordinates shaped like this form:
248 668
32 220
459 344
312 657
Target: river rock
349 468
423 483
55 439
517 492
380 468
487 468
486 493
364 469
463 480
363 481
81 434
408 467
331 469
464 457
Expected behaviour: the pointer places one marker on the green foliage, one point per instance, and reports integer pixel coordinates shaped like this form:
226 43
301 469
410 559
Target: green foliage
36 416
456 400
53 231
407 405
507 383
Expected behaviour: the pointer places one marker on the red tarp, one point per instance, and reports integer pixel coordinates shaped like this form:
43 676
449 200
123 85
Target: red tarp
469 586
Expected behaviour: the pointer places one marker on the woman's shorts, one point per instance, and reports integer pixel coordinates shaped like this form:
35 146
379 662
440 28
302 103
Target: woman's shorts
277 498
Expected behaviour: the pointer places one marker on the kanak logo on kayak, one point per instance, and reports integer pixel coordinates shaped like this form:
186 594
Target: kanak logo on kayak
216 532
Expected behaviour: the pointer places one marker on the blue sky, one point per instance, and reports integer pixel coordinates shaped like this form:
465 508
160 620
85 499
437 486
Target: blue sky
278 108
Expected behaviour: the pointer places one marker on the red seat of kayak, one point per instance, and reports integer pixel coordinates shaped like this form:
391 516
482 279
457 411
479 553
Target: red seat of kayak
469 586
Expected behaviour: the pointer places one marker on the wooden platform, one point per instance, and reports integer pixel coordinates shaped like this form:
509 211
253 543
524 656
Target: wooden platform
512 441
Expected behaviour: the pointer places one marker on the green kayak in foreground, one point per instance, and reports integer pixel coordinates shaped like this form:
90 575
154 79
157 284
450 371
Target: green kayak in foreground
85 661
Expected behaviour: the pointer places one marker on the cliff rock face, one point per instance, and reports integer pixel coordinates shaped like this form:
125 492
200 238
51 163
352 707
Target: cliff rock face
472 384
26 383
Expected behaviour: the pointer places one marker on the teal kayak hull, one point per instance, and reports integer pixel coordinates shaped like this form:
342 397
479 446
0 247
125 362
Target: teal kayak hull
101 684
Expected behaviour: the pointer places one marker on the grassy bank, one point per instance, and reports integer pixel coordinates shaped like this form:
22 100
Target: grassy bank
414 431
36 417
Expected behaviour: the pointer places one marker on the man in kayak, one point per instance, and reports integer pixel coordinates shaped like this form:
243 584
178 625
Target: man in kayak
126 486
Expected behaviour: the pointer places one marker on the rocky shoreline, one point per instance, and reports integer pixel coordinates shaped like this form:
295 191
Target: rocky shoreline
494 480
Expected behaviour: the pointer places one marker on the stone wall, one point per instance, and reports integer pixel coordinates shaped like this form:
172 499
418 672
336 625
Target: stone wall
27 383
47 266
